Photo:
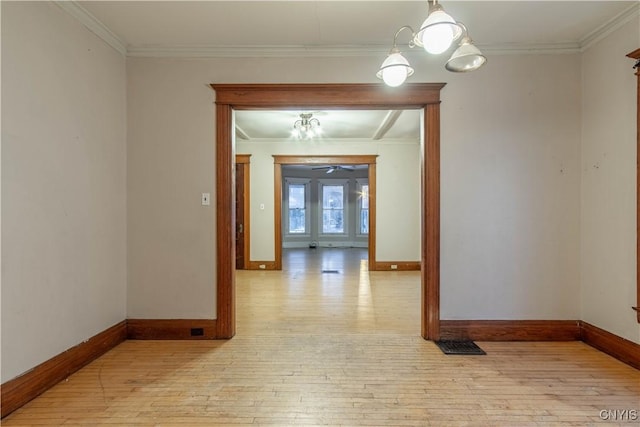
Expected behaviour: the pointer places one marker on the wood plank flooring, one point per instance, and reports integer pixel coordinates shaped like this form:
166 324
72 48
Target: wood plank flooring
341 348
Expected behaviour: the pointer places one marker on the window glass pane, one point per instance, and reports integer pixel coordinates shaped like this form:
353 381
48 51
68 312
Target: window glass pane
332 221
297 212
296 196
297 221
365 196
364 209
332 196
364 221
333 209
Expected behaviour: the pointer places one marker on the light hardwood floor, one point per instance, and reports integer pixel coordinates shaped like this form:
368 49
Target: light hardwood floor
336 349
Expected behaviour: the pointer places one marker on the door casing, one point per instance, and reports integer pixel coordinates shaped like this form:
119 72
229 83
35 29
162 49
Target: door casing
369 160
424 96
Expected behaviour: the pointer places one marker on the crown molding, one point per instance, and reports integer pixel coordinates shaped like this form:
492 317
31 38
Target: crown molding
93 24
328 51
609 27
253 51
530 49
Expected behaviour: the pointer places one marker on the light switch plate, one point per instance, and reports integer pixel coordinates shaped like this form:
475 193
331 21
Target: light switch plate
206 199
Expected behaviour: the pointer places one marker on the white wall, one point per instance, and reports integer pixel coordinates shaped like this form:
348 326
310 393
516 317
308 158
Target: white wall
63 185
510 190
397 192
608 213
510 180
170 163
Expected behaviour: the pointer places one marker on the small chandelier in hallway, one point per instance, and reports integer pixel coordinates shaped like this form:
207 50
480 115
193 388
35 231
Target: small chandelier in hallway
306 127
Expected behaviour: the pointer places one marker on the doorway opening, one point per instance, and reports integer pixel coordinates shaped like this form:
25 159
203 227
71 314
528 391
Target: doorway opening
325 207
320 161
325 215
425 96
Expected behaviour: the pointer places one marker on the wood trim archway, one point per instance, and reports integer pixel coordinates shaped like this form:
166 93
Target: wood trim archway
325 96
369 160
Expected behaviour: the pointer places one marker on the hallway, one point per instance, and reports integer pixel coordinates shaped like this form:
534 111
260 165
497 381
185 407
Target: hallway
345 299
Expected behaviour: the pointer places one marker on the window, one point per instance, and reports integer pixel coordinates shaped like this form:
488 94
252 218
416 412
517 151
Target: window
363 206
333 206
297 200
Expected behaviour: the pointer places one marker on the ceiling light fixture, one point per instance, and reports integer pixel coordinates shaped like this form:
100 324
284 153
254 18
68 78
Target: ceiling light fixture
306 127
436 35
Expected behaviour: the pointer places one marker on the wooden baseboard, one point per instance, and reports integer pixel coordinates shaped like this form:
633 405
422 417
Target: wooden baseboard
171 329
31 384
396 266
510 330
260 265
20 390
618 347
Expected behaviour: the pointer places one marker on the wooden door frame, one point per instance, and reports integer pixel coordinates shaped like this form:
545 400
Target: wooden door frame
245 159
369 160
327 96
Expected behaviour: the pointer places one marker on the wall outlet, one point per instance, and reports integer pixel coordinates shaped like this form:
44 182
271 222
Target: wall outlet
262 267
394 266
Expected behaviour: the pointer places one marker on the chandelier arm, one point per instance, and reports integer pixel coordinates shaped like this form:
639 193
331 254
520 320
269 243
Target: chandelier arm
404 27
465 32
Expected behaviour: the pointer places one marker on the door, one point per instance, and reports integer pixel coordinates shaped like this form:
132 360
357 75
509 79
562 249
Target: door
240 211
243 192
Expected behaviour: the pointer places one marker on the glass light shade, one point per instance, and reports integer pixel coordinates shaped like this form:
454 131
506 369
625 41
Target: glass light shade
437 32
307 127
314 131
465 58
307 132
395 69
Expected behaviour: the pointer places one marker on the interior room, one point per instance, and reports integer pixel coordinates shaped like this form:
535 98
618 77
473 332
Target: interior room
275 213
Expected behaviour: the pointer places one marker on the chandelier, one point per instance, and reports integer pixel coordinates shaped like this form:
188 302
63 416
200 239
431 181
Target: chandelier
436 35
306 127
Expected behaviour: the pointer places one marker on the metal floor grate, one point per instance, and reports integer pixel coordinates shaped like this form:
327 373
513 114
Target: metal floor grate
460 347
330 272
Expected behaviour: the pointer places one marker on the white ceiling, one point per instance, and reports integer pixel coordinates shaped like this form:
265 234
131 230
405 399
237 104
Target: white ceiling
161 26
335 124
320 28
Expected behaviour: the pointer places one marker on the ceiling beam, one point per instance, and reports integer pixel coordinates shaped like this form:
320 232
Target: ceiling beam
387 123
241 133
